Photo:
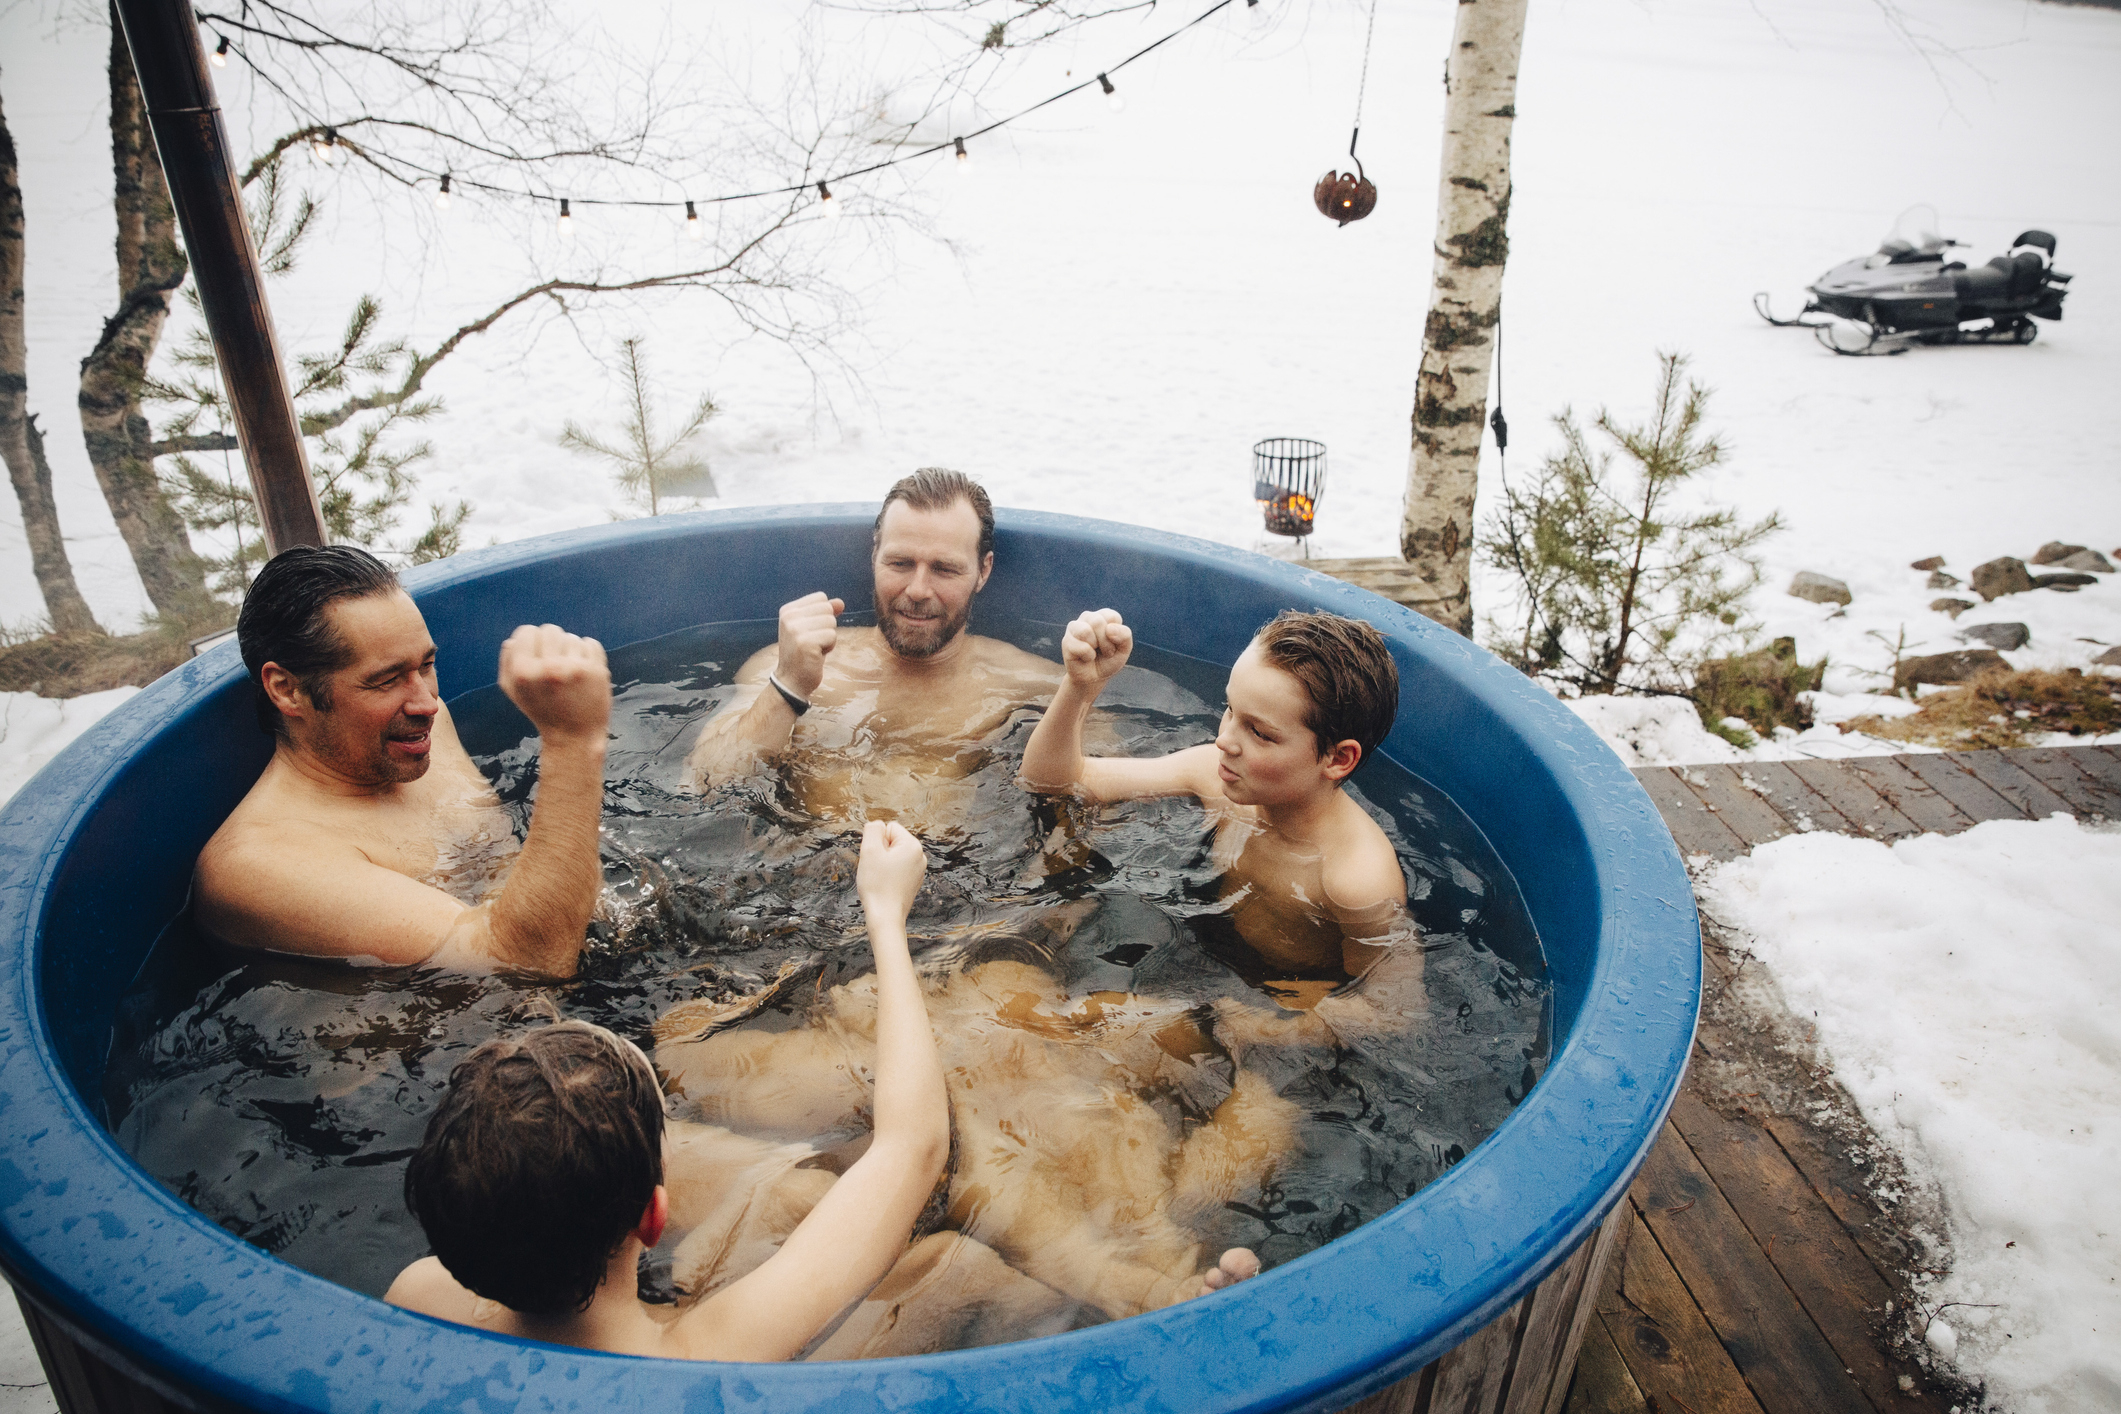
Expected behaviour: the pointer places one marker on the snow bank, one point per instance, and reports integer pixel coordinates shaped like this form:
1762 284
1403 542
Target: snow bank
1666 731
34 729
1968 992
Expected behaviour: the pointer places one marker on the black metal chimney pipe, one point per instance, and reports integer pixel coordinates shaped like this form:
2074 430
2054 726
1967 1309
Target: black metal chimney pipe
170 60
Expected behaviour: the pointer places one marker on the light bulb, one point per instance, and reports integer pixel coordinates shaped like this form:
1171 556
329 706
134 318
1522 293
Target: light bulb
566 220
1111 94
694 231
1256 13
326 147
964 158
219 58
442 196
827 203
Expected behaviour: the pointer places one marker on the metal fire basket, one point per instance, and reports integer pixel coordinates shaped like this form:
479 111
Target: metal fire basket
1288 478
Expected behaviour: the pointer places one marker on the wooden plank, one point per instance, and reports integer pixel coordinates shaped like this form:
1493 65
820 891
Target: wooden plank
1870 813
1946 774
1817 1258
1747 816
1784 791
1668 1348
1909 794
1844 1187
1693 827
1585 1318
1469 1376
2086 776
1785 1359
1602 1384
2024 784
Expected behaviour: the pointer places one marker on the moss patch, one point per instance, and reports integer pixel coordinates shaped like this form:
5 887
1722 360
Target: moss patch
2004 709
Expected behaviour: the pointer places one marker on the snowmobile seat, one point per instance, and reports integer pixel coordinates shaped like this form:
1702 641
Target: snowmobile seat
2041 239
2026 270
1983 282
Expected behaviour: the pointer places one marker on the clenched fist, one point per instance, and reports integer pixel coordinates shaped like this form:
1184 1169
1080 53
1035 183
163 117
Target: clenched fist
1095 647
809 628
559 680
891 868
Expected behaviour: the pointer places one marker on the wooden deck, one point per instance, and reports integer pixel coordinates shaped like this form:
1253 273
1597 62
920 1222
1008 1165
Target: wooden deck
1754 1273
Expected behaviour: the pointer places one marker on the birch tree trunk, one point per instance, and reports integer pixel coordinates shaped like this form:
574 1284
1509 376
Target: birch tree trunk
20 446
1465 303
150 267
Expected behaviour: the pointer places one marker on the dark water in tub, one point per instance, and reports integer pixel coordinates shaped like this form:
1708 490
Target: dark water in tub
282 1098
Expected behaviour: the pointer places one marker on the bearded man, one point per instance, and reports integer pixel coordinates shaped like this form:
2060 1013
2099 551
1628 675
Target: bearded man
371 835
887 721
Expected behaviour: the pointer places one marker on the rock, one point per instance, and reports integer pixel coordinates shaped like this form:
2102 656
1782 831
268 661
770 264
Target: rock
2000 577
2067 583
2004 636
1940 580
2086 560
1934 562
2111 658
2054 552
1954 607
1947 667
1819 588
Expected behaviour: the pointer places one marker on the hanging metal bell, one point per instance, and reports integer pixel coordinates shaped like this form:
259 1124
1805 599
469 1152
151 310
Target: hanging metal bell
1345 196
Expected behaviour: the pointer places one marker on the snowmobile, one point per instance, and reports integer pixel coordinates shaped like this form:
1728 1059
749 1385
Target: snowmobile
1908 293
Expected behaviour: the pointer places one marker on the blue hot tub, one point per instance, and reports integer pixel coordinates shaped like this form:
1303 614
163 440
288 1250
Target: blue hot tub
96 853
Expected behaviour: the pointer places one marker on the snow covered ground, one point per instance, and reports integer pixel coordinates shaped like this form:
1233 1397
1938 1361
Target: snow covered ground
34 729
1968 993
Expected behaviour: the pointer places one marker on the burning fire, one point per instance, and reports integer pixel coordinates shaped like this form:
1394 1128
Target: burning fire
1291 508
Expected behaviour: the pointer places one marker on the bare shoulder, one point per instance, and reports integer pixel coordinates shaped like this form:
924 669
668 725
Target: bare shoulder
996 656
1361 869
427 1287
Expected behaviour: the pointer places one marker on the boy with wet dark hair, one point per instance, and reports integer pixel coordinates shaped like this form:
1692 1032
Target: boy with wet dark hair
540 1180
1315 888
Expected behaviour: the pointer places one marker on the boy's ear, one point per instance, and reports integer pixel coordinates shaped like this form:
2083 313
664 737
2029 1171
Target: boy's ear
654 1218
1341 758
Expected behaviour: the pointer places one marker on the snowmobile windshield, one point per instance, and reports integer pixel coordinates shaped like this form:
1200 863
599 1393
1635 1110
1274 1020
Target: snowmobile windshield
1914 235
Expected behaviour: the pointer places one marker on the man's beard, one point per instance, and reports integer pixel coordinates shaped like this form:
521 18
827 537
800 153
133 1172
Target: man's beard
378 766
920 640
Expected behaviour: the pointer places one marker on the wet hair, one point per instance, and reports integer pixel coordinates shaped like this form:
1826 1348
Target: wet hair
539 1161
937 488
1346 671
284 619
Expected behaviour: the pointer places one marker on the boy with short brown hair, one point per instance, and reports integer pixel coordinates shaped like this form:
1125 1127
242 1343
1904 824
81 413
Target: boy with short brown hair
539 1182
1315 887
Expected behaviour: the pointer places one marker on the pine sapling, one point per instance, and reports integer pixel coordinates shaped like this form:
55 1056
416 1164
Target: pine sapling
646 465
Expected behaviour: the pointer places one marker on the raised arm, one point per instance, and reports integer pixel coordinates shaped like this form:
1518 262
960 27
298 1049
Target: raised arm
758 721
862 1224
1093 650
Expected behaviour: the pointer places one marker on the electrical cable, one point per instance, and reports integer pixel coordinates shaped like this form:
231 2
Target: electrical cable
954 143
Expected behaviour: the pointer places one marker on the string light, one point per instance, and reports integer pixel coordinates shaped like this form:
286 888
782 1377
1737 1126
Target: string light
1256 13
219 58
693 230
326 147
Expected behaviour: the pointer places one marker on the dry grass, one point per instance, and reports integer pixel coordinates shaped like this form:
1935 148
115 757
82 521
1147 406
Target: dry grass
70 664
2003 709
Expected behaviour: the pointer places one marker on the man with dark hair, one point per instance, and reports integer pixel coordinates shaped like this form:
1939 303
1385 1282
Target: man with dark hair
1315 888
916 690
370 812
540 1180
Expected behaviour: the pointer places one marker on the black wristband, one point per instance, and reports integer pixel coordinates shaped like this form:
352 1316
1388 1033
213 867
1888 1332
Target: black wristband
795 704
